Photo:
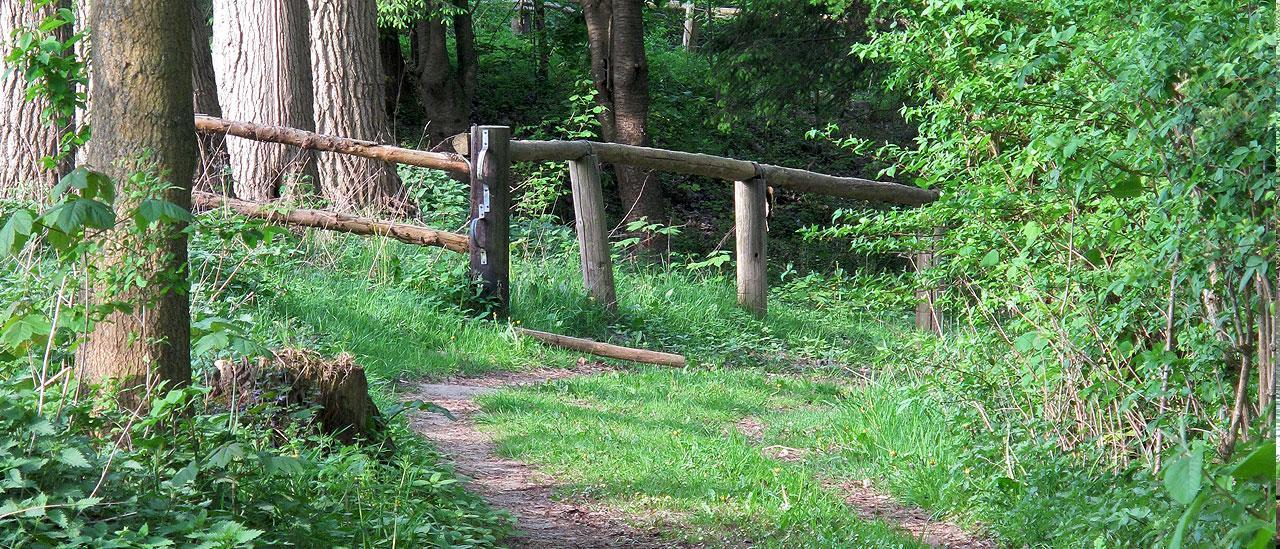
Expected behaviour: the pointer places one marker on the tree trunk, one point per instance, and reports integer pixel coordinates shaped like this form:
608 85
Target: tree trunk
640 189
348 88
464 38
599 15
212 168
443 100
143 105
263 64
24 138
394 71
542 46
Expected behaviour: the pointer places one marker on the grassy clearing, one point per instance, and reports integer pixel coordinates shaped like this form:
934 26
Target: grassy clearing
663 443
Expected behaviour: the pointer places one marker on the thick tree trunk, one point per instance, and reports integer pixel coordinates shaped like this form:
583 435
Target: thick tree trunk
142 105
640 189
348 88
394 71
464 39
24 138
620 71
599 17
263 63
212 169
440 92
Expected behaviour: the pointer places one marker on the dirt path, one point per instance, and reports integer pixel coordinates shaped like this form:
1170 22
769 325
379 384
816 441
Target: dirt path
872 504
513 486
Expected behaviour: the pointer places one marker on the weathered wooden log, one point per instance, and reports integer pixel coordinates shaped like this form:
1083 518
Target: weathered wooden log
314 141
333 221
728 169
604 349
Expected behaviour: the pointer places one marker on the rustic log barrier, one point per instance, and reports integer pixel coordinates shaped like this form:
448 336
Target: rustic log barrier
604 349
332 221
492 151
728 169
314 141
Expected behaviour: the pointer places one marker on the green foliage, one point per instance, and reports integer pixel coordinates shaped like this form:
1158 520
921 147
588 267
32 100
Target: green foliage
1109 200
192 473
45 57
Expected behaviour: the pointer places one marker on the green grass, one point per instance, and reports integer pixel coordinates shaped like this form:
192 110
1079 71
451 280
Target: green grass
663 444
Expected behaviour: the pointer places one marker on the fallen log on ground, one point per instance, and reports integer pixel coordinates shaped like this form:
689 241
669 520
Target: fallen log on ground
333 221
314 141
604 349
728 169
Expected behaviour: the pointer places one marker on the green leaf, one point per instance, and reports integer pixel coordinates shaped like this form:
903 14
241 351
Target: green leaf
81 213
186 474
73 457
1175 541
1182 478
1128 188
1261 462
152 210
15 232
991 259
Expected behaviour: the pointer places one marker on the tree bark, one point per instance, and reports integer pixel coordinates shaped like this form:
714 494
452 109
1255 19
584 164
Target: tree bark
598 15
640 189
440 92
214 160
620 71
263 65
142 110
394 71
464 39
349 83
24 138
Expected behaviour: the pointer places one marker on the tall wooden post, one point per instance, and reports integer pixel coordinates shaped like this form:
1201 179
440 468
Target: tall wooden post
490 214
690 38
749 214
927 316
593 233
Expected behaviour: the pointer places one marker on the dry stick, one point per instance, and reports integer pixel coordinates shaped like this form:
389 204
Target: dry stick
314 141
729 169
604 349
333 221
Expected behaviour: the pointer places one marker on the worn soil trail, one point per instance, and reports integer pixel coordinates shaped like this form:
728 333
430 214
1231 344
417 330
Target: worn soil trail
513 486
872 504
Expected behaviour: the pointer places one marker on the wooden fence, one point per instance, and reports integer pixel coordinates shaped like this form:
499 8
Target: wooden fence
489 155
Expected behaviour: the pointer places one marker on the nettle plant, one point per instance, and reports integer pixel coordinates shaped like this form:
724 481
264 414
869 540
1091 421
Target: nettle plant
1108 212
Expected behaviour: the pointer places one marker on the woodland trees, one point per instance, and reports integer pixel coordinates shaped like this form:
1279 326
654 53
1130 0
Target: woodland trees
145 141
210 174
25 137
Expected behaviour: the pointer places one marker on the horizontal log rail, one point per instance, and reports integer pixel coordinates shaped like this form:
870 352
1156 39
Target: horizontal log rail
604 349
314 141
729 169
332 221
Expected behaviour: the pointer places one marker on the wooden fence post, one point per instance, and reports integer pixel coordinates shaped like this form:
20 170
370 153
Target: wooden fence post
490 214
927 316
690 38
593 234
749 215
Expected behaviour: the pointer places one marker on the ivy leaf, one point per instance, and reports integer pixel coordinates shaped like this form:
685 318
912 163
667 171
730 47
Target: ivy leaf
1182 478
